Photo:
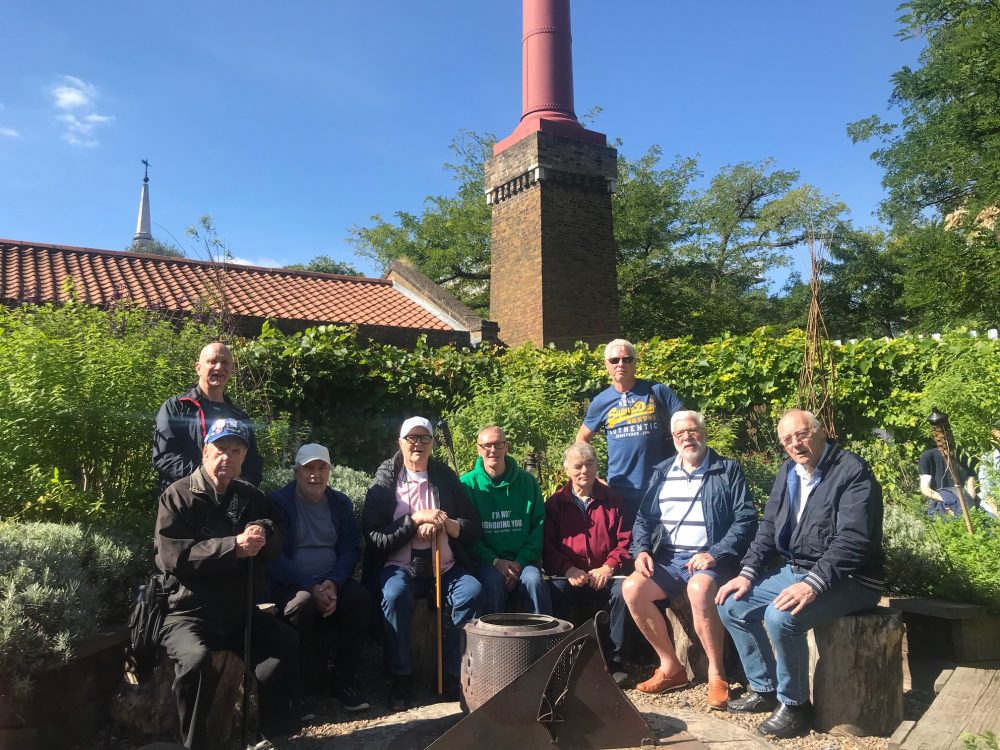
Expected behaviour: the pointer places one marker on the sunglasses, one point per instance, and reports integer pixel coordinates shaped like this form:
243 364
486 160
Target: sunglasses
625 360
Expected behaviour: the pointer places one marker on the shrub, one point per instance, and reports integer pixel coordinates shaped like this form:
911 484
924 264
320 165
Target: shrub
62 583
938 558
79 389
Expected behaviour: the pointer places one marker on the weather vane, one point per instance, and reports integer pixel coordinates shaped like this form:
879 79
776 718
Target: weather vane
146 176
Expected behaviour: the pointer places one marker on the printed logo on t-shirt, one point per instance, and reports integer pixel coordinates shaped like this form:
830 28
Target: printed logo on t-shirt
637 417
500 520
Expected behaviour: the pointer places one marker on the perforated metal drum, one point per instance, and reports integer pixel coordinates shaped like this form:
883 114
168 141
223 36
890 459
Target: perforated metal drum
499 648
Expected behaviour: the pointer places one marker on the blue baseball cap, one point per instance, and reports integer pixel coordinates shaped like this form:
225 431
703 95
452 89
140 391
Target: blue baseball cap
228 428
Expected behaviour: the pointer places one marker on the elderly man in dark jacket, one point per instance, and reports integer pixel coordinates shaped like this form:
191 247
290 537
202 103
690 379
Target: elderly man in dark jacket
694 524
417 504
823 525
312 580
214 532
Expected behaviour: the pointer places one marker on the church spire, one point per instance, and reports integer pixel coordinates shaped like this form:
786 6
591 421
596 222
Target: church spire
142 226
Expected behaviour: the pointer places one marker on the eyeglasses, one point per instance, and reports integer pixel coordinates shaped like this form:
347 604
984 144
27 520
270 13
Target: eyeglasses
796 437
623 360
414 439
496 446
681 434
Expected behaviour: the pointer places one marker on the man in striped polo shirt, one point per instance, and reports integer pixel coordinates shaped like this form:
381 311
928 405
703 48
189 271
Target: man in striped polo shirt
699 507
823 525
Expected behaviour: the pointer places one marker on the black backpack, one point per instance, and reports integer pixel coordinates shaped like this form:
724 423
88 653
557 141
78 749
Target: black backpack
145 625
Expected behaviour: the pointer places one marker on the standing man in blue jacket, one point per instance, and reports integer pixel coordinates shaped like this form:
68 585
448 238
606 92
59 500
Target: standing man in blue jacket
700 509
635 415
311 580
823 526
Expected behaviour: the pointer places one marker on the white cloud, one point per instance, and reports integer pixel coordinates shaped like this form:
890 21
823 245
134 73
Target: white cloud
264 262
73 93
75 101
9 133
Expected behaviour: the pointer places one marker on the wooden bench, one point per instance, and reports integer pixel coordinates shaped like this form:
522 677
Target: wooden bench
968 701
856 673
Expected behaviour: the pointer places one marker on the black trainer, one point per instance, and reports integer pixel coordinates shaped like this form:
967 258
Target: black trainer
351 698
752 702
400 695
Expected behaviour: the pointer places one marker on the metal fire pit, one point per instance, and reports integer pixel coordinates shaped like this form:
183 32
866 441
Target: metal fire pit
500 648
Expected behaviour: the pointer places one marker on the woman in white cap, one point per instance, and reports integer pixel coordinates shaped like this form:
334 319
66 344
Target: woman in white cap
414 500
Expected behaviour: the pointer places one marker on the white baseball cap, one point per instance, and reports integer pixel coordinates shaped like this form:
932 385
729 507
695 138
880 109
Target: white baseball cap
312 452
412 422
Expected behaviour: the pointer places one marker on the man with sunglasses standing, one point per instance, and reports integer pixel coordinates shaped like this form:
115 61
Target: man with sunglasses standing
508 554
635 415
823 526
413 501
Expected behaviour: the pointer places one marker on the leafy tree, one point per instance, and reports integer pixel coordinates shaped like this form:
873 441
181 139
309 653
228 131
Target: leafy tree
695 263
949 278
155 247
944 153
862 287
326 264
450 240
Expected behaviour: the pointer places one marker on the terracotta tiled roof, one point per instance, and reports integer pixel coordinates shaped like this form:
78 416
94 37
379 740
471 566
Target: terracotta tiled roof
37 273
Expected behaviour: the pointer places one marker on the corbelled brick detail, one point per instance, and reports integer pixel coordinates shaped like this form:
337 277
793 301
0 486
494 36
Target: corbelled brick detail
553 278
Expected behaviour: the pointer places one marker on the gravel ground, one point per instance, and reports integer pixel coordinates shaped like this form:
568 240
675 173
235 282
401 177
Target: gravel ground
327 719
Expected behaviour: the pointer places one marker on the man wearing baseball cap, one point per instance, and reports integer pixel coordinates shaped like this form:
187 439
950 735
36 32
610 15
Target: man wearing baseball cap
414 503
311 581
214 533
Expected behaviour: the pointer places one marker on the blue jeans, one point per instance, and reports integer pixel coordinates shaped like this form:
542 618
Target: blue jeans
532 593
786 668
463 594
585 602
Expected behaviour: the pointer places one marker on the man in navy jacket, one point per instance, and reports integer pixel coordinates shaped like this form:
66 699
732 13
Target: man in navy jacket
823 526
311 580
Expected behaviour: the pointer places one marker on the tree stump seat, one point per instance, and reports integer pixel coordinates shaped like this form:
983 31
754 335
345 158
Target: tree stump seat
149 709
856 673
690 653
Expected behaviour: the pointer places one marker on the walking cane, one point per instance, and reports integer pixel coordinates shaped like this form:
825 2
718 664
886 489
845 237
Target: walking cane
436 501
437 605
246 656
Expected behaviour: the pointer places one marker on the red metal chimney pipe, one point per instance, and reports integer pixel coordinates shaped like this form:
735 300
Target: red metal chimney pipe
547 75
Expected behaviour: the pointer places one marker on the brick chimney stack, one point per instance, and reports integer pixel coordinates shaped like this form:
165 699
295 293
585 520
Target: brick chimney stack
553 278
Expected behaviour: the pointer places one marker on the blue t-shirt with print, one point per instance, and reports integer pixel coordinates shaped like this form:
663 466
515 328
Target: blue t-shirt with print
636 429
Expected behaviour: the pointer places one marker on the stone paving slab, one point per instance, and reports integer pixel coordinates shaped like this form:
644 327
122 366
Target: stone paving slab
680 729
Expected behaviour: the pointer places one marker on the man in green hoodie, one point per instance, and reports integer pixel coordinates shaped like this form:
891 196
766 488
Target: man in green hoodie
508 553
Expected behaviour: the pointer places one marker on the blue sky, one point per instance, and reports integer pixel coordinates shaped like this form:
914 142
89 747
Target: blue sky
291 122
